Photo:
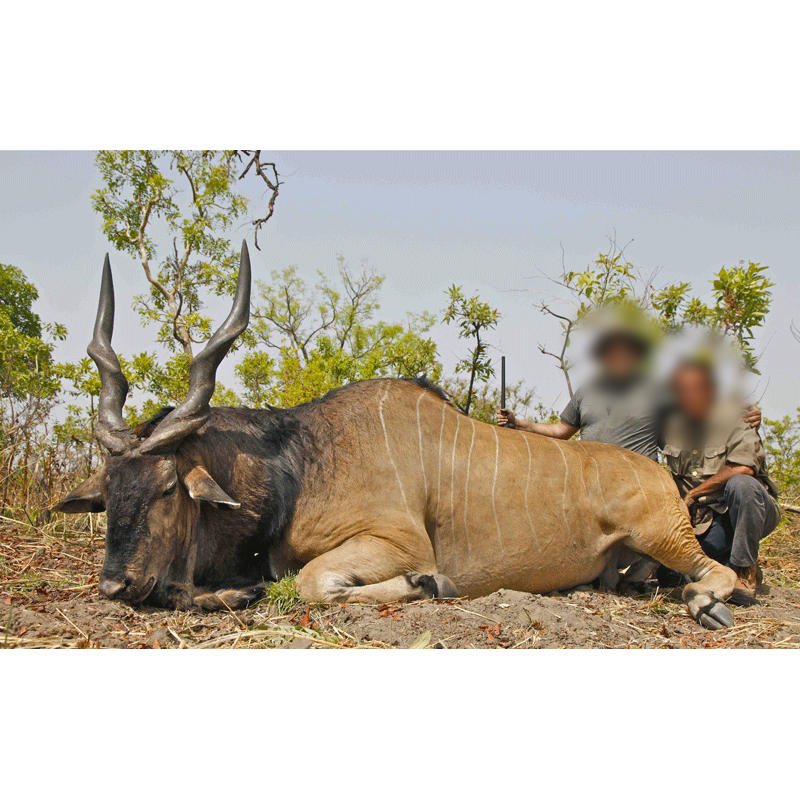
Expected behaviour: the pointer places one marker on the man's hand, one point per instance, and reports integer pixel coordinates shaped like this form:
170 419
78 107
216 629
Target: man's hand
752 416
506 418
691 505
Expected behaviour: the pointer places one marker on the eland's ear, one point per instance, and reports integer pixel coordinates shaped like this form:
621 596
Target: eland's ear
88 497
202 486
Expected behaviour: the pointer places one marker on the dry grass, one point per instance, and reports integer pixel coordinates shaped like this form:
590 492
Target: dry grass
780 553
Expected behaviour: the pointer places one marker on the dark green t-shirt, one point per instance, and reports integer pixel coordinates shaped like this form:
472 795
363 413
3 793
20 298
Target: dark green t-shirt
628 414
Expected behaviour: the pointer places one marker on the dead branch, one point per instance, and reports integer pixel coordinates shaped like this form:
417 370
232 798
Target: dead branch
268 172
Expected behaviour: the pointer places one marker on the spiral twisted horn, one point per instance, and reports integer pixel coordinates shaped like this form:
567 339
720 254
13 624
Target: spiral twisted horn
111 429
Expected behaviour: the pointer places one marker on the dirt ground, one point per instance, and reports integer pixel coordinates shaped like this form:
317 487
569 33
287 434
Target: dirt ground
49 599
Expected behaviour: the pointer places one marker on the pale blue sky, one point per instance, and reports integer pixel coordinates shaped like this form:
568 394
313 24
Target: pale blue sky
486 221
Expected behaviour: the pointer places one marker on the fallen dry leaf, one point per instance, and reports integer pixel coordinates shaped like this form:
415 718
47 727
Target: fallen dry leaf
492 631
422 641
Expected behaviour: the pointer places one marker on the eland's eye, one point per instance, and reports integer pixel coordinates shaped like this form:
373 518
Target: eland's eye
170 489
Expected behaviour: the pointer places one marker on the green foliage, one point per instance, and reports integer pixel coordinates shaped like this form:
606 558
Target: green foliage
473 318
486 398
191 197
741 302
282 594
610 280
543 413
160 384
326 336
166 384
26 365
17 296
29 385
670 306
256 372
782 443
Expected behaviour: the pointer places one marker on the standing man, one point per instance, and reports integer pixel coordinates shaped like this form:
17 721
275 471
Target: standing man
718 463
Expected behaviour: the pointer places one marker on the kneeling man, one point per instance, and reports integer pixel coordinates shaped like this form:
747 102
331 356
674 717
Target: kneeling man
717 461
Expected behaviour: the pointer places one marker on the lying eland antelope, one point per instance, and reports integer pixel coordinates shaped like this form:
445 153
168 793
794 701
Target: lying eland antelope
379 492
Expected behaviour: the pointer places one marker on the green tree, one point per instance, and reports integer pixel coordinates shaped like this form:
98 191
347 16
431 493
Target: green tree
256 373
29 379
740 303
321 337
611 281
188 198
17 296
741 299
486 398
473 318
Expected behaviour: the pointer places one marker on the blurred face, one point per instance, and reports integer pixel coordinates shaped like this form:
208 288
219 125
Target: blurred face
620 359
694 393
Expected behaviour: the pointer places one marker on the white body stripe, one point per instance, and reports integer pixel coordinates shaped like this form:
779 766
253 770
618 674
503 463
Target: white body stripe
597 470
419 433
566 477
641 488
528 483
466 484
494 483
391 458
439 480
452 479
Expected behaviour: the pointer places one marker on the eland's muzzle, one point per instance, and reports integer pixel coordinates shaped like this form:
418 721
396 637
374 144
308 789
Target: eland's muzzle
111 589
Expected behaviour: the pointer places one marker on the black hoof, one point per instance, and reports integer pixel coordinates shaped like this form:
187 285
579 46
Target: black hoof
425 583
433 586
715 616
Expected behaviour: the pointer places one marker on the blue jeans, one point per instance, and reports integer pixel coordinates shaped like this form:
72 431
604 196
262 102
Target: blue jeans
734 536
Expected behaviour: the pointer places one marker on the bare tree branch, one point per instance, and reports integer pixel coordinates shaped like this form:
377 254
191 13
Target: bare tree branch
268 172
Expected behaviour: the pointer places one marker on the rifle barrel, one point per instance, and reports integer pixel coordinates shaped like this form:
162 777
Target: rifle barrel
502 382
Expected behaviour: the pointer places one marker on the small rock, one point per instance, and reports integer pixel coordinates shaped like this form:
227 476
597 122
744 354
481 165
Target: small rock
297 644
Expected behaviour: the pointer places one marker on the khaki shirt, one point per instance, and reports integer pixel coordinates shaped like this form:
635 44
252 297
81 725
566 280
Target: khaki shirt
693 456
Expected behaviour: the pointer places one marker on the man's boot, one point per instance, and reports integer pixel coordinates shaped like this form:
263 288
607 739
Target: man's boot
747 581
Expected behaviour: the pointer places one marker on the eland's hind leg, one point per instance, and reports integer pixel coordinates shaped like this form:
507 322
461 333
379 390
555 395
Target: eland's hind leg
384 567
673 543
